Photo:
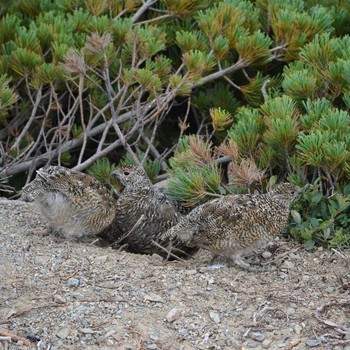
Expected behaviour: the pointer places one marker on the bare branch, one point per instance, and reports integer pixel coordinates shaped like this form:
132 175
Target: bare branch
142 9
31 119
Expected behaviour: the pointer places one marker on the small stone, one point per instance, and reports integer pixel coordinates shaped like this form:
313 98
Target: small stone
298 328
80 309
214 316
100 259
183 332
58 299
110 342
266 343
153 336
73 282
288 265
258 336
173 315
152 346
313 343
153 297
63 333
42 259
251 344
266 254
87 330
215 266
290 311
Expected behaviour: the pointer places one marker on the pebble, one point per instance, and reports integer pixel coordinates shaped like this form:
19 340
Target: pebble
63 333
73 282
153 336
266 254
100 259
298 328
290 311
153 297
258 336
58 299
313 343
87 331
81 309
251 344
214 317
42 259
152 346
183 332
173 315
288 265
266 343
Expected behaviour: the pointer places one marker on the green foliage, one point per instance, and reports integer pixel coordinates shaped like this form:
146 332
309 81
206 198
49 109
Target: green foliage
216 96
101 170
7 97
247 133
220 119
195 185
191 152
317 219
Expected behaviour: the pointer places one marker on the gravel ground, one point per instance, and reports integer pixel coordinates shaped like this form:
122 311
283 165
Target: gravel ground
76 296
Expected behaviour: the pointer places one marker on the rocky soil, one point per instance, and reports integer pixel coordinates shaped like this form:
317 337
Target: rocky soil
79 296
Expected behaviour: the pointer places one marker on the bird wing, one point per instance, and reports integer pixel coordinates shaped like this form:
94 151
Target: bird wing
207 222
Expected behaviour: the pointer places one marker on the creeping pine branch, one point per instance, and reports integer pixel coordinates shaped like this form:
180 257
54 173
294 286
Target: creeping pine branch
142 10
30 121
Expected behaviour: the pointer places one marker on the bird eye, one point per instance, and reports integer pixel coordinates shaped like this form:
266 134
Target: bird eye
126 173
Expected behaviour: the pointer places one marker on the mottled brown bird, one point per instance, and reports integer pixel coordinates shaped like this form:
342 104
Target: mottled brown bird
143 212
74 204
236 224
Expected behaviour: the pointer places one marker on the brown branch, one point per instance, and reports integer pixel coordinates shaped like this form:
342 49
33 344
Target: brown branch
167 251
292 344
339 328
241 63
141 10
168 15
98 155
31 119
70 275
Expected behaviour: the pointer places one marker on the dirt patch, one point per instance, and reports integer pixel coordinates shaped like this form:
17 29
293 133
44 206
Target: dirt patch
76 296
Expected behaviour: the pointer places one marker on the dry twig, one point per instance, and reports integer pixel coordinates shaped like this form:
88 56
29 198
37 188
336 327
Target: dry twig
292 344
70 275
14 338
337 327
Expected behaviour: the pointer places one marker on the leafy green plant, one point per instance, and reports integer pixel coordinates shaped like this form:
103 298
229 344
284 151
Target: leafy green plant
317 219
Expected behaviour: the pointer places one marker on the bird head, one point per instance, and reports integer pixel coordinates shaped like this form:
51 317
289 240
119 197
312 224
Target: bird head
132 176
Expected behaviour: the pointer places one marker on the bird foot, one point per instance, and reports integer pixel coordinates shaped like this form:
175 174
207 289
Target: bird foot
45 232
245 266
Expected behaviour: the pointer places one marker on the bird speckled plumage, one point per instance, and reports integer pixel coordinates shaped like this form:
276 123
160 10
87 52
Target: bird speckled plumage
236 224
144 210
74 204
